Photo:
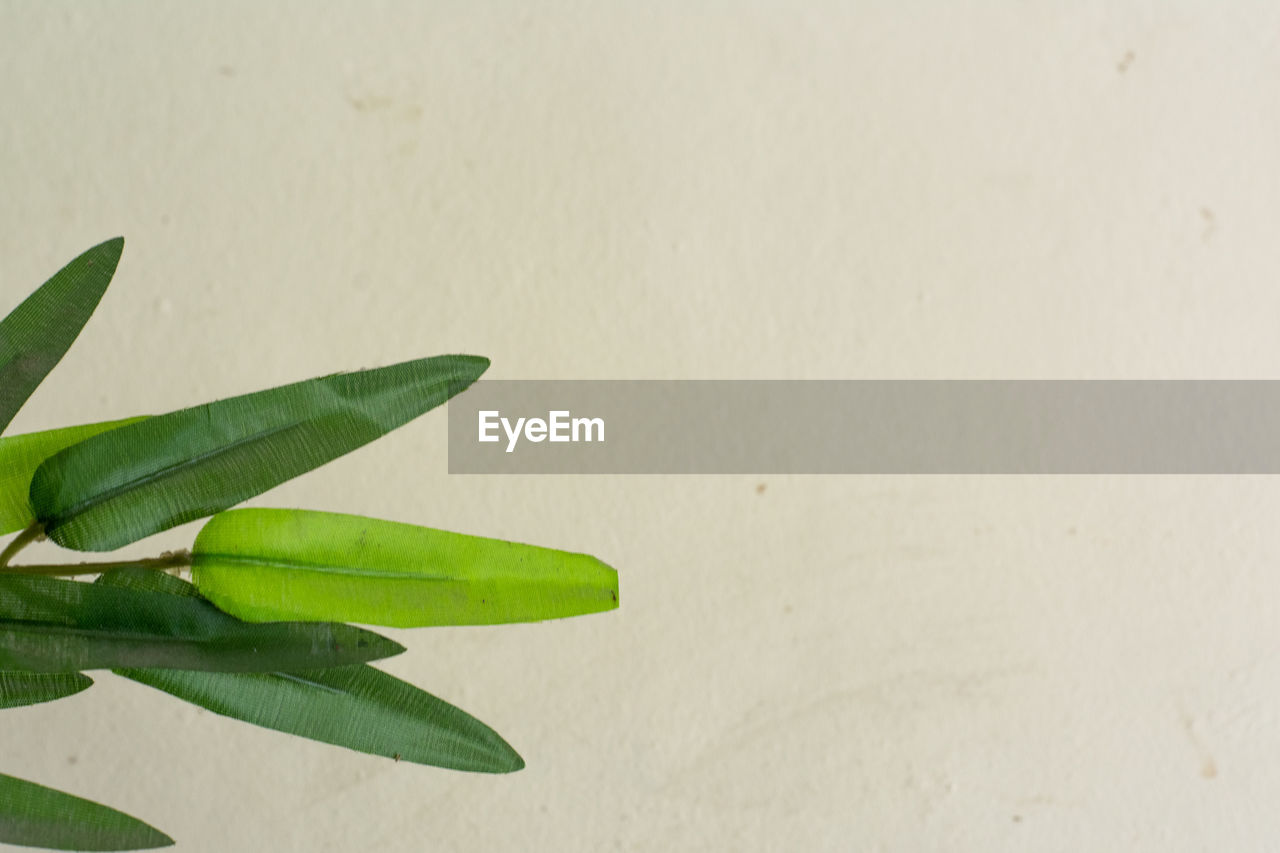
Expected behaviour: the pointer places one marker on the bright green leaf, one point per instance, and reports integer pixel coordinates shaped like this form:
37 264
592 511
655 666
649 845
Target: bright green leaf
51 625
357 707
131 482
36 816
267 564
35 336
30 688
20 455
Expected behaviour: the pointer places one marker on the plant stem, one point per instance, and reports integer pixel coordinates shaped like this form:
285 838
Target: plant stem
34 531
167 560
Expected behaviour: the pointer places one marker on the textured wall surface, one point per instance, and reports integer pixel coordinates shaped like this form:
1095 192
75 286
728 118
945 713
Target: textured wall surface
718 190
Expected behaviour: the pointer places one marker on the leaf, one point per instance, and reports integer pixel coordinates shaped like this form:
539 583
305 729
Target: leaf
266 564
131 482
51 625
357 707
36 334
20 455
31 688
36 816
140 580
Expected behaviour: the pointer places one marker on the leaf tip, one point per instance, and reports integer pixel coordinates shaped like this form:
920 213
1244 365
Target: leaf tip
109 252
503 758
385 648
157 839
474 365
608 586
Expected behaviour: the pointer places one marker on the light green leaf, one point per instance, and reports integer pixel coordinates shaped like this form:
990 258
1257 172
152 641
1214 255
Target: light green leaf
37 334
36 816
267 564
20 455
51 625
357 707
30 688
137 480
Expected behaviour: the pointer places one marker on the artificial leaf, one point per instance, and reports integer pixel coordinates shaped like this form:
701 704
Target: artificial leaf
131 482
52 625
141 580
357 707
30 688
267 564
36 816
20 455
36 334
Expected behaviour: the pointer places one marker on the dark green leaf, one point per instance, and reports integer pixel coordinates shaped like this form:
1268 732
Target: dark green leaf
128 483
51 625
140 580
31 688
357 707
36 816
21 455
35 336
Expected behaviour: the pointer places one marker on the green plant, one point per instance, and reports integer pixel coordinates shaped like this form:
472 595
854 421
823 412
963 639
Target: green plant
258 633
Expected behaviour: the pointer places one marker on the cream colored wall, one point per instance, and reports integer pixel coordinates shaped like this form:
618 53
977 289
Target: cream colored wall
728 190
